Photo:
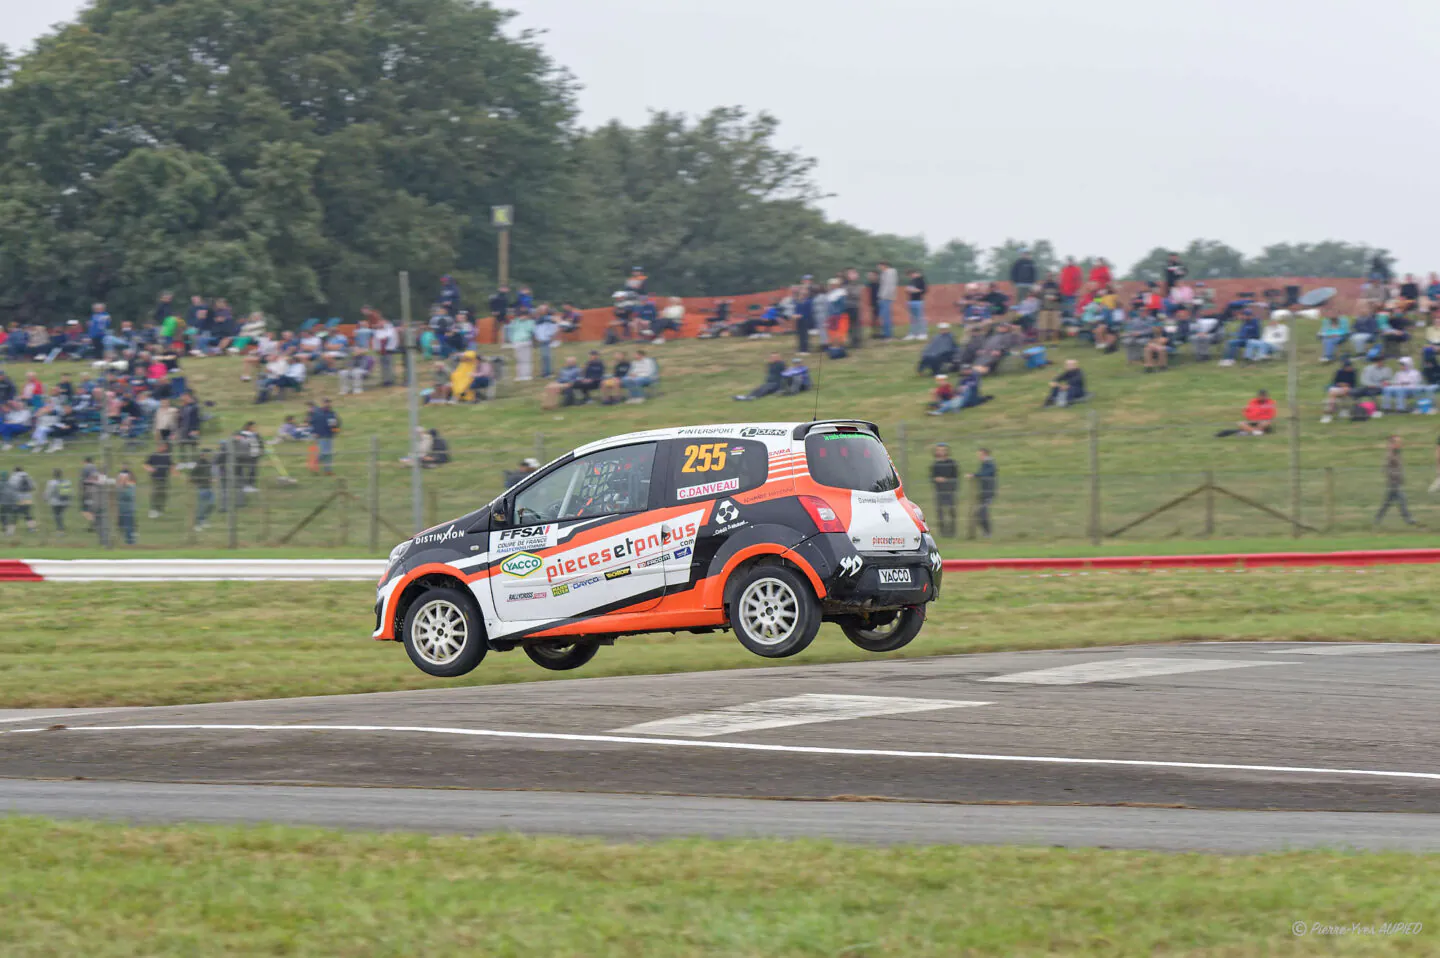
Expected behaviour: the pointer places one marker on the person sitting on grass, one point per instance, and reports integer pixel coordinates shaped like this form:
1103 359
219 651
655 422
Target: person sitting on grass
967 394
1272 342
774 380
1407 382
1259 415
643 374
1067 388
611 389
1248 332
590 377
1156 352
1373 378
939 354
1334 330
1342 386
942 393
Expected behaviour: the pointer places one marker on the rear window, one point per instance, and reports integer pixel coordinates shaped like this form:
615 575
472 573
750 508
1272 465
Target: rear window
848 460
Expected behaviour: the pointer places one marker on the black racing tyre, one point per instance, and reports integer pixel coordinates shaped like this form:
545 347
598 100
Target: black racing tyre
560 657
884 632
773 610
444 635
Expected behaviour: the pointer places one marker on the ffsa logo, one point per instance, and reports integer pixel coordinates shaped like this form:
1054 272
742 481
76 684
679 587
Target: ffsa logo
521 564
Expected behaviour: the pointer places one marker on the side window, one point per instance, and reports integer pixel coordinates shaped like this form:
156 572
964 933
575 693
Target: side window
702 467
606 483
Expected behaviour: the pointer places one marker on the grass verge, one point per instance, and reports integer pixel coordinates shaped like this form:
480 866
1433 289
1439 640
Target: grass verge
161 644
108 890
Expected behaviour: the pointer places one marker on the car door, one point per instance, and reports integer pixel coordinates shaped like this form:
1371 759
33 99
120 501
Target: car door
704 476
571 544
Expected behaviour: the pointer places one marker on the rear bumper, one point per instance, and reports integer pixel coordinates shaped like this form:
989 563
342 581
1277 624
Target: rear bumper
874 580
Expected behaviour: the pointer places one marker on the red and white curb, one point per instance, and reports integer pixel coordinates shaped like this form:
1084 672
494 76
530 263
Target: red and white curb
190 570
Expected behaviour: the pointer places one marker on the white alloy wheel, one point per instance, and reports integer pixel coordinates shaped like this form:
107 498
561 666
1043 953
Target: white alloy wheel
770 611
440 632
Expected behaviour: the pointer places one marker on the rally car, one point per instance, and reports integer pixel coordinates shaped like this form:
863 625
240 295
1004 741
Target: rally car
768 529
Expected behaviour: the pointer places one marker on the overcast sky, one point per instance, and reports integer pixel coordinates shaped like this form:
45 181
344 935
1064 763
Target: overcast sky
1107 126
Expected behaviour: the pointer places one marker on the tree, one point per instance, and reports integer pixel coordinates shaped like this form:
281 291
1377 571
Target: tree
1329 258
955 262
1002 257
1204 259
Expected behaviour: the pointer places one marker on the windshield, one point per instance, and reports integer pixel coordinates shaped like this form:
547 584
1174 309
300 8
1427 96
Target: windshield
850 460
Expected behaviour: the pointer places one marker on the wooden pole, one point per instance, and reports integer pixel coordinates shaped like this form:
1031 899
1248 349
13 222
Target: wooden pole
1293 400
504 265
1094 436
1209 504
372 494
412 359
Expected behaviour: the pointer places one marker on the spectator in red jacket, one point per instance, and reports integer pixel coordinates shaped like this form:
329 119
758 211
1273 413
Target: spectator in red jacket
1259 415
1100 273
1071 280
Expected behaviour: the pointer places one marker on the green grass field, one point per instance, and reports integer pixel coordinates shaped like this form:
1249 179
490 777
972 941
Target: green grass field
110 890
1156 441
102 644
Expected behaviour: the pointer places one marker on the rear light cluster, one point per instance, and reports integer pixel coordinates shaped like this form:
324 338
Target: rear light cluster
824 517
915 513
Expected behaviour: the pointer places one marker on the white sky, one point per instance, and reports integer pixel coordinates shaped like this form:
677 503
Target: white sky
1106 126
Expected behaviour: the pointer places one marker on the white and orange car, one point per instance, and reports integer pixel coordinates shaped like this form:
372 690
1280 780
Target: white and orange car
768 529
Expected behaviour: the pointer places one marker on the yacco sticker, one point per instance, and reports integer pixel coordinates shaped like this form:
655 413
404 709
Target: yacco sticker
618 573
521 564
707 488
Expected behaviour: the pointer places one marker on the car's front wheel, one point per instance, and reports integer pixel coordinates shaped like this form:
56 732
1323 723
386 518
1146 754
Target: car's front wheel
773 611
561 657
884 631
443 633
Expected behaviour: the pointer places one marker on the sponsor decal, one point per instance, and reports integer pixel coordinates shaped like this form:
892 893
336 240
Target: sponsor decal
885 515
850 565
935 561
433 537
656 560
683 552
641 543
707 489
560 590
523 540
750 431
726 512
705 431
583 583
737 450
617 573
887 540
895 577
777 491
873 500
521 564
524 596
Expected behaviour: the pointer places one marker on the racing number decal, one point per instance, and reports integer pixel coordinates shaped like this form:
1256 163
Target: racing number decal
707 457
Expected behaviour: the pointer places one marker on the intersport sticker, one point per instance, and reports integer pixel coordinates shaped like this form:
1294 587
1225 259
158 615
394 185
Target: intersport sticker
707 489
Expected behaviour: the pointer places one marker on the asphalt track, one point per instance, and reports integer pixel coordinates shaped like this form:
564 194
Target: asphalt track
1207 746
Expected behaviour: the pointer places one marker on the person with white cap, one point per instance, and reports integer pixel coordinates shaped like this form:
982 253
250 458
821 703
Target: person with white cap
1406 382
939 354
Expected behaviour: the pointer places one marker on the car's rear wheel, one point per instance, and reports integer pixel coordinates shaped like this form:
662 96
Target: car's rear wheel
773 611
561 657
884 631
443 633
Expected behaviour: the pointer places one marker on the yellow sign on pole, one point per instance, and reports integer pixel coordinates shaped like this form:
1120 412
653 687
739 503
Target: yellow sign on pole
502 217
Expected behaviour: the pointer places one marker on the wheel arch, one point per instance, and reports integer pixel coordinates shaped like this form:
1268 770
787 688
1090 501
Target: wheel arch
769 554
419 582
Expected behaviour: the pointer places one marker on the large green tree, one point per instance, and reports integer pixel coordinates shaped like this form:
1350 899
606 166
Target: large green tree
293 154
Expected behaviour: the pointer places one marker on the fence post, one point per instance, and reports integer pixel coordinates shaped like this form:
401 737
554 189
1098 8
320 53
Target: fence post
1329 498
343 503
232 497
264 516
904 453
372 494
434 496
970 495
1094 437
540 447
103 512
1293 396
1209 504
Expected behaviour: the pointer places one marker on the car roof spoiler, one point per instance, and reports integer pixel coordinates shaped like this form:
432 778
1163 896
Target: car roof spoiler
805 428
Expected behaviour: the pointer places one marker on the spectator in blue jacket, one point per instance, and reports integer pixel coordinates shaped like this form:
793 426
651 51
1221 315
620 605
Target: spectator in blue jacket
324 423
1249 329
97 327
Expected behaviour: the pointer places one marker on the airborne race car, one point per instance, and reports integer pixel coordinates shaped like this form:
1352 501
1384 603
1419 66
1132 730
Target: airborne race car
768 529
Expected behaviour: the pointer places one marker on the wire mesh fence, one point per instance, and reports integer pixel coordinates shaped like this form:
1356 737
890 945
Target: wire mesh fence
1093 481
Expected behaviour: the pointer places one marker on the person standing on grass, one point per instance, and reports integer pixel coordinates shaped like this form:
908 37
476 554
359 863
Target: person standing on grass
90 492
945 476
985 476
125 504
1395 483
520 334
885 297
324 424
57 497
158 466
915 292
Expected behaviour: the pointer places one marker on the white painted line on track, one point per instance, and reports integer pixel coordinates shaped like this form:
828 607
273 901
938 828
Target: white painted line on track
742 747
795 710
1347 649
1113 670
40 715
